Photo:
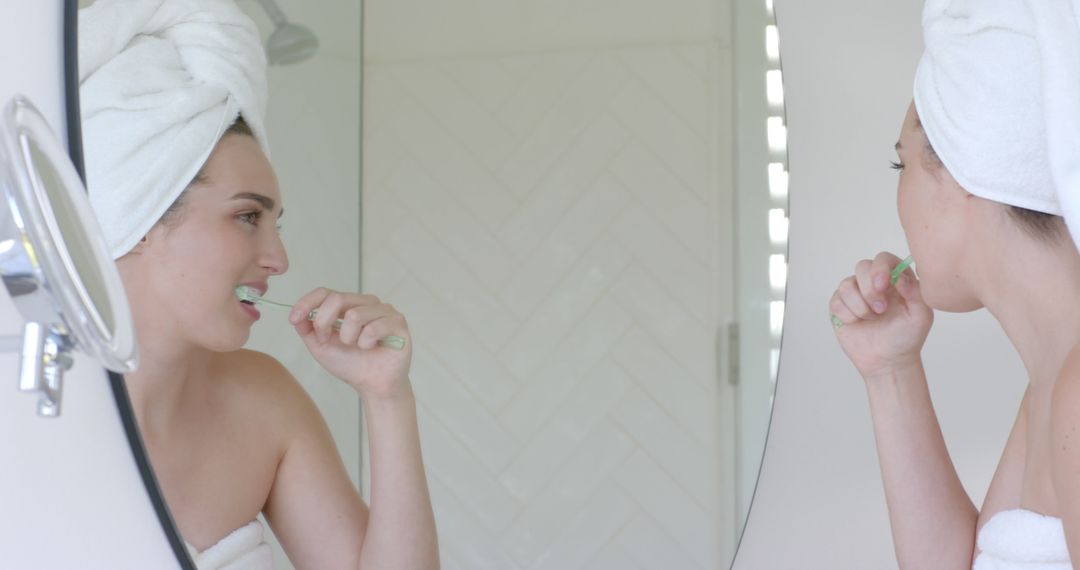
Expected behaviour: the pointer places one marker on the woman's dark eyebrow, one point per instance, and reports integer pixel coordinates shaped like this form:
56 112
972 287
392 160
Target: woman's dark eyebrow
263 201
898 147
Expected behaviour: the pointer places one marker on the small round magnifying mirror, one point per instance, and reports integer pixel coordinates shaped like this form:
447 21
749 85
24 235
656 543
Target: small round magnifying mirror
54 261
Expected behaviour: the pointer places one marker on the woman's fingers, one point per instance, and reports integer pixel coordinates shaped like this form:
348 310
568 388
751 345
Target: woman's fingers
869 293
851 295
840 310
908 287
376 330
884 263
874 280
874 300
356 320
326 315
307 303
364 319
329 306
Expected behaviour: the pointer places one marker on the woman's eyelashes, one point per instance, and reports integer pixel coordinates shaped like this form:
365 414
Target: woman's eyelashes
897 166
251 217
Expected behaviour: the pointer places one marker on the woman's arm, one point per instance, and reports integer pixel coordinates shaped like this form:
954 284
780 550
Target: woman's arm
317 513
1065 438
313 507
882 327
398 532
401 531
933 519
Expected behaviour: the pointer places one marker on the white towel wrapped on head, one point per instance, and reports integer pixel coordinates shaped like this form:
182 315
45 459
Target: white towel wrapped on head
998 93
159 83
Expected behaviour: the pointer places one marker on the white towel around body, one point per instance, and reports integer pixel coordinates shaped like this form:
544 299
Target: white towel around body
1019 539
243 549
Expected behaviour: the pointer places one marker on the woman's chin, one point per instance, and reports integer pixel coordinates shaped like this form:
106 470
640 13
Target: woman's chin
950 303
230 342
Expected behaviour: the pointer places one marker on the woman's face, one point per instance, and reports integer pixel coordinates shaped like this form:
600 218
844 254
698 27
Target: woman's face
937 216
225 235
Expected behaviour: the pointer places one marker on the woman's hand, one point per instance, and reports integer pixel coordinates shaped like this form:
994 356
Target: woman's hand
353 353
884 326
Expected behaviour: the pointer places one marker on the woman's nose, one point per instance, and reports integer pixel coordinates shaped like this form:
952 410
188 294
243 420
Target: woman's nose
275 258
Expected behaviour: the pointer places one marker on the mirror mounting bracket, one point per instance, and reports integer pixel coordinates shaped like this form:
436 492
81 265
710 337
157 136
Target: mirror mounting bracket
54 262
45 355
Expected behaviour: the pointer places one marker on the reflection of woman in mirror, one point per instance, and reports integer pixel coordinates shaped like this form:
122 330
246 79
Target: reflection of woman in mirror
989 161
173 97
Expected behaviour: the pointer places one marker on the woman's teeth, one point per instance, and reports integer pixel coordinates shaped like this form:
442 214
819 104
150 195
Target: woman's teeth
246 294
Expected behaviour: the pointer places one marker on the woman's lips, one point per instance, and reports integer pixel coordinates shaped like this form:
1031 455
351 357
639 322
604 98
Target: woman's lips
250 310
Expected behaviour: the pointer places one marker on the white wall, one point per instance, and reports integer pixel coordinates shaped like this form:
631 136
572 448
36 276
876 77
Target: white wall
544 197
820 504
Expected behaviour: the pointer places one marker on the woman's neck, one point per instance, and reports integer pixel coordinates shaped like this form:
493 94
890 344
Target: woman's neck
170 366
1036 298
168 377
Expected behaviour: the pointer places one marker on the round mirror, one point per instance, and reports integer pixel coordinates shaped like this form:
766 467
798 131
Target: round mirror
585 218
53 259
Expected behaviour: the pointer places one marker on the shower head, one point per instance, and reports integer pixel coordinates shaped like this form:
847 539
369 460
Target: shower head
289 42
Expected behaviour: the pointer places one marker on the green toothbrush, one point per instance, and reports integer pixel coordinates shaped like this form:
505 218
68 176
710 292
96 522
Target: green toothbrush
251 295
899 269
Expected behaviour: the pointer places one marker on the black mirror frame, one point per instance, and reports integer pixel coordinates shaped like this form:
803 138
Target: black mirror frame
116 380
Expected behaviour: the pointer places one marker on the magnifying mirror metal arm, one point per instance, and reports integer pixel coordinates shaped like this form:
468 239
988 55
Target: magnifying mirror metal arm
54 262
44 357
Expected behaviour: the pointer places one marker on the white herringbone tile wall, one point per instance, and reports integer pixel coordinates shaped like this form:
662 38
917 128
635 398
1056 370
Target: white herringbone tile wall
549 225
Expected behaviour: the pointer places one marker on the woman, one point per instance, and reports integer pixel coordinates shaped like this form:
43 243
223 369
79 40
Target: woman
171 88
985 177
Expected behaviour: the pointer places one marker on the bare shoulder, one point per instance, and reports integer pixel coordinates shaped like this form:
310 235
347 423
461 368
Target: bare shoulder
264 391
255 375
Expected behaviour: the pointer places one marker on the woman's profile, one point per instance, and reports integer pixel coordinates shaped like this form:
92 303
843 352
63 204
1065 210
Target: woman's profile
173 96
989 162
